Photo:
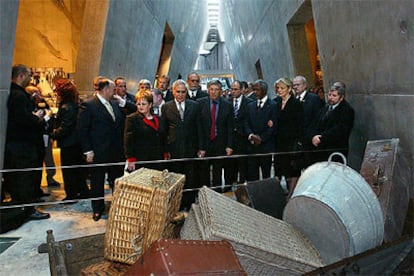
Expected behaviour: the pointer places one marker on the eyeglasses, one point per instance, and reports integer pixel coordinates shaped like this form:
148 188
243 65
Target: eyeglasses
181 92
195 80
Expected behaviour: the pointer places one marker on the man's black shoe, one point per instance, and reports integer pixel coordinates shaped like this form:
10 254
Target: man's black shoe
53 183
96 216
37 215
44 194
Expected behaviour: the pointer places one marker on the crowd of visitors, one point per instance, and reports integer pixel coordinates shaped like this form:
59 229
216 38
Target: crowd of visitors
172 121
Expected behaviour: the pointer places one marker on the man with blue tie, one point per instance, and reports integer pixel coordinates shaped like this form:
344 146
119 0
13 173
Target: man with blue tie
216 137
260 129
236 169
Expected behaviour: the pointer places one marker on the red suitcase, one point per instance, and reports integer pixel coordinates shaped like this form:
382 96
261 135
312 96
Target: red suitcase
188 257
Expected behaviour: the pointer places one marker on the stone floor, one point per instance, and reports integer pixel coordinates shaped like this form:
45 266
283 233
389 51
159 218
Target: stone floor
67 221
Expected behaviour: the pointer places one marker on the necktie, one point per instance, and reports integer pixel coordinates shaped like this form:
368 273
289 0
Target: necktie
213 121
330 108
259 104
181 110
110 110
236 108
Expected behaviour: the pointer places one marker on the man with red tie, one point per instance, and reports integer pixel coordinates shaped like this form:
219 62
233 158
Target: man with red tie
216 139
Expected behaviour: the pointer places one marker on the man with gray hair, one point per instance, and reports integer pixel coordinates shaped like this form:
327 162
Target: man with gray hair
332 126
181 117
311 103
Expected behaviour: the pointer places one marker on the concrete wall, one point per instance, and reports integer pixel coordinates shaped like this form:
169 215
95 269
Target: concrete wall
8 19
367 44
132 40
373 54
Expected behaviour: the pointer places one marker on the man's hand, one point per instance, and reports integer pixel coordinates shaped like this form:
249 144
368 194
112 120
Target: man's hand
201 153
256 140
89 157
39 113
121 102
229 151
130 166
316 140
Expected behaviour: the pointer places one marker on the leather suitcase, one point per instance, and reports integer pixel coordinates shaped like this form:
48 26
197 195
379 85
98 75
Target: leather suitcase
188 257
378 169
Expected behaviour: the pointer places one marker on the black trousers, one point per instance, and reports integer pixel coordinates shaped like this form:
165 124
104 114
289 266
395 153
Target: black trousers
73 178
98 181
213 149
23 186
190 170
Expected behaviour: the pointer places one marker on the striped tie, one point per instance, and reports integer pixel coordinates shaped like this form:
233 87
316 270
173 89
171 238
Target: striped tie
236 108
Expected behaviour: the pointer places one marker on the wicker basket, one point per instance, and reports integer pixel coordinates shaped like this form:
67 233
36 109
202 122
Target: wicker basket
144 203
264 245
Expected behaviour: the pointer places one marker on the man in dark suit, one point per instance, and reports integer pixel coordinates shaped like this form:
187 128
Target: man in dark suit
101 125
181 119
236 169
311 102
194 88
216 139
124 99
248 90
260 129
163 84
333 124
24 144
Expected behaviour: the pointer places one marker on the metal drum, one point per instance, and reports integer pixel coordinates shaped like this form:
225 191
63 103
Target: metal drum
336 209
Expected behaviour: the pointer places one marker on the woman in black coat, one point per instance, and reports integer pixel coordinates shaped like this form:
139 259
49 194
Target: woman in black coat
65 132
289 132
144 136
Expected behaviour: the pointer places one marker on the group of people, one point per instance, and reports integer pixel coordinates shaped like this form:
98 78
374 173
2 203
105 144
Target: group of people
177 121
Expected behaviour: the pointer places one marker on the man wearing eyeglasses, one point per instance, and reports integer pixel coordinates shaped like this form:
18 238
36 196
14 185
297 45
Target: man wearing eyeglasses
194 87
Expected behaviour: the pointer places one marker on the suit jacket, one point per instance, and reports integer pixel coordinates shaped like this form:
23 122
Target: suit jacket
99 132
130 98
224 124
143 142
239 131
252 96
22 125
258 123
335 126
168 96
130 106
182 136
65 130
290 124
200 94
311 105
